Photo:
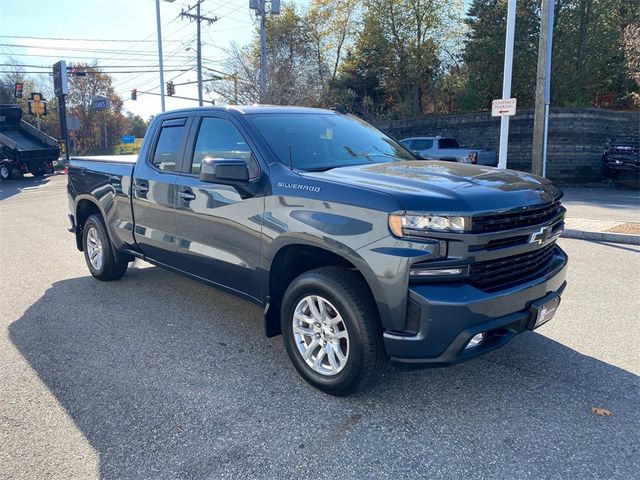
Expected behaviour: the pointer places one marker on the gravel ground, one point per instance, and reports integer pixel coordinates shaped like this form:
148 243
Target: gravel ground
157 376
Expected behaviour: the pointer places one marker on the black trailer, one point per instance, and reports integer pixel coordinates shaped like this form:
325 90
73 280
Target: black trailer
23 148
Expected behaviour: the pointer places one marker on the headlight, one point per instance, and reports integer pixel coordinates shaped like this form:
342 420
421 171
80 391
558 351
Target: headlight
419 225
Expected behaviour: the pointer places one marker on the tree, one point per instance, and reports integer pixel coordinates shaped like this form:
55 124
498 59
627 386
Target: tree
97 128
135 125
331 24
588 55
484 52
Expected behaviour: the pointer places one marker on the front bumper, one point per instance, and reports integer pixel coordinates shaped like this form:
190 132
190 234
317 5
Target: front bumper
450 315
622 164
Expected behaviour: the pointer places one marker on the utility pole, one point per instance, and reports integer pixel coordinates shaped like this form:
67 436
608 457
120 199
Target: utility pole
506 82
543 84
158 28
263 51
260 6
198 18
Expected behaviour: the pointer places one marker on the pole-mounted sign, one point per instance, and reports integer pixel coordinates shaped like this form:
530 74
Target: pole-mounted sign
505 107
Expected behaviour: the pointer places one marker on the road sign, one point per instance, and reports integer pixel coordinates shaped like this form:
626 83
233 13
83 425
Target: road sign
100 103
128 139
73 123
505 107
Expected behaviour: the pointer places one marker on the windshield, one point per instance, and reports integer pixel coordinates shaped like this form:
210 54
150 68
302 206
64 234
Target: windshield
318 142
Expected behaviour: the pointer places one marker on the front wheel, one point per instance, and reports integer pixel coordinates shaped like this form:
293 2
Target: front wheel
104 262
331 330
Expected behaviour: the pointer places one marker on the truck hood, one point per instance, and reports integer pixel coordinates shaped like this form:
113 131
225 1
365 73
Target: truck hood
447 187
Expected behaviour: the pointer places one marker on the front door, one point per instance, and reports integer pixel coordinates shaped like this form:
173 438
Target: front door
219 226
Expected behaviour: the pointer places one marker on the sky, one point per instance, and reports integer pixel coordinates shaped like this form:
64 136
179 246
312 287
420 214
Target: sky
121 35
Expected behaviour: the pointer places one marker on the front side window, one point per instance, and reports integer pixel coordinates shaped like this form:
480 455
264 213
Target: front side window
422 144
169 147
220 139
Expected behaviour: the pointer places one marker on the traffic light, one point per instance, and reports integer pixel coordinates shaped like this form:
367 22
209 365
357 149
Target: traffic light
170 89
37 105
134 94
19 89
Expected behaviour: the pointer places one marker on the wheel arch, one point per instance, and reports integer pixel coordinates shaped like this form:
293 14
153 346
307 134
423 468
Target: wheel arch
293 258
85 207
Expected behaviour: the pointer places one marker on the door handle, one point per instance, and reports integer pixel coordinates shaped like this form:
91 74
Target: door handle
187 195
142 188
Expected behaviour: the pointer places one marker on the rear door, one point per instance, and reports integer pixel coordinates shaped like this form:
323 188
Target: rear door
219 226
154 190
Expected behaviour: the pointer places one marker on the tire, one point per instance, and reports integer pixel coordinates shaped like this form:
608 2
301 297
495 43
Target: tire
38 171
5 172
609 173
358 354
107 263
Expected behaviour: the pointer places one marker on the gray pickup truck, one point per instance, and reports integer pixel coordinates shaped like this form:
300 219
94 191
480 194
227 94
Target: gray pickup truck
357 251
447 149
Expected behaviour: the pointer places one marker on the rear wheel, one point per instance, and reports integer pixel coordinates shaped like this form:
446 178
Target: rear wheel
331 330
5 172
610 173
38 171
104 262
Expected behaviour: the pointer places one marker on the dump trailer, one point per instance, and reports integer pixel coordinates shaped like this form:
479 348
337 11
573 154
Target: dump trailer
23 148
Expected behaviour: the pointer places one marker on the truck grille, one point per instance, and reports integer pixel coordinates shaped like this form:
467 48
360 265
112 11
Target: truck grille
507 221
506 271
629 150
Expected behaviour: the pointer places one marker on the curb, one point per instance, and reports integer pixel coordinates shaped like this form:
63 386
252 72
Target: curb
602 236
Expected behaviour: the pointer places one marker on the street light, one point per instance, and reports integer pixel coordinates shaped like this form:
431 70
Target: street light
159 27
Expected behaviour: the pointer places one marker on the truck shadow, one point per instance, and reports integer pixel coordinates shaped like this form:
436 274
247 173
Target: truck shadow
168 378
9 188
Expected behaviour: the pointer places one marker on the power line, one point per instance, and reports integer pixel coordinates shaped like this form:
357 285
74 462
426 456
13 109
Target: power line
110 40
89 67
110 73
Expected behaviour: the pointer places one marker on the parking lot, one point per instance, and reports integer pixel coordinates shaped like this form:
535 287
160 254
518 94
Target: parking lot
157 376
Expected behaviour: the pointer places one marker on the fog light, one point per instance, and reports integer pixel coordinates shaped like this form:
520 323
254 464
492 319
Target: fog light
431 272
475 341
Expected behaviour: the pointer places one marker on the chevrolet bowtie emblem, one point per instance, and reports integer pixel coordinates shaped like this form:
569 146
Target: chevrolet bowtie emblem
541 235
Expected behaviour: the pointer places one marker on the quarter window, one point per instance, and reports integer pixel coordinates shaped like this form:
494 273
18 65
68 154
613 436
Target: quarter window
219 138
169 146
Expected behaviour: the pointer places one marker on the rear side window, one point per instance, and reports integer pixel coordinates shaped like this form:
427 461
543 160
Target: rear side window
422 144
169 146
219 138
448 143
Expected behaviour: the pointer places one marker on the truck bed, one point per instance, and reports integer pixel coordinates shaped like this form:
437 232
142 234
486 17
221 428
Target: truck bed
122 159
23 140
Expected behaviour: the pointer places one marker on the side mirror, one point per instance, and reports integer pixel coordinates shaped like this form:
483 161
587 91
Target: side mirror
224 170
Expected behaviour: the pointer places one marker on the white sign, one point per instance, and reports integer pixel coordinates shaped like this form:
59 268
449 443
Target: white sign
73 123
504 107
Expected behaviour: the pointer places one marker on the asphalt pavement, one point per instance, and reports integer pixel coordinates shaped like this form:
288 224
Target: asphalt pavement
157 376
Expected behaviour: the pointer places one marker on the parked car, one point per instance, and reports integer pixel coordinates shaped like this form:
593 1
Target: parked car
23 148
357 251
447 149
621 156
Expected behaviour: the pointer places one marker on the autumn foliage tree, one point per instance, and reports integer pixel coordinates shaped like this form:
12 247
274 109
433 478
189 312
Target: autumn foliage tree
98 128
